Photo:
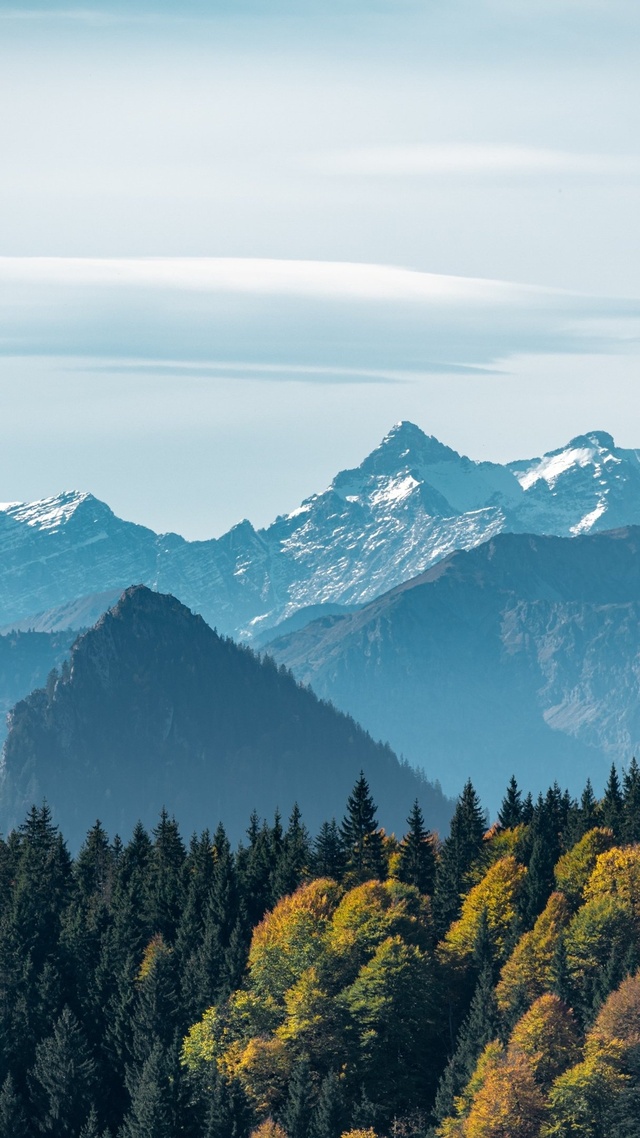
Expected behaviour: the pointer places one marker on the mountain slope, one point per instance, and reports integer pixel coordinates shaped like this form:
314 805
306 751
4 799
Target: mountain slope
520 656
410 503
26 660
158 710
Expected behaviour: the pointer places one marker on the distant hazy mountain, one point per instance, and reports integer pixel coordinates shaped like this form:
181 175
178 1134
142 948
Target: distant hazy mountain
26 659
521 656
158 710
409 504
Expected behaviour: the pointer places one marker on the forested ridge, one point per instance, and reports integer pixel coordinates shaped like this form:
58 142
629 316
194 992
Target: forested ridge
482 986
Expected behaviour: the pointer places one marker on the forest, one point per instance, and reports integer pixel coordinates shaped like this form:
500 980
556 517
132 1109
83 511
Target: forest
351 982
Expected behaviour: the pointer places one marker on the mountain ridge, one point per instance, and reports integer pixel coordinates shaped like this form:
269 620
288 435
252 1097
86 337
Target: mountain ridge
410 502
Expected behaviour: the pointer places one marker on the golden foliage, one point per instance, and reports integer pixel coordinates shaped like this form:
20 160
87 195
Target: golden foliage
527 972
268 1129
359 1134
617 874
153 951
496 896
291 937
575 867
548 1036
263 1068
509 1104
599 925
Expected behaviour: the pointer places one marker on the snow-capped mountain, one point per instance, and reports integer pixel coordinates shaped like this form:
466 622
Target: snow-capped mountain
409 504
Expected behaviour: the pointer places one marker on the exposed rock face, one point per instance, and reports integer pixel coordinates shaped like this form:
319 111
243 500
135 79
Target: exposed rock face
157 710
412 502
521 656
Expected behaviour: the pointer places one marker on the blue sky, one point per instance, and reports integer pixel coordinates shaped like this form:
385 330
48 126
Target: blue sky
237 242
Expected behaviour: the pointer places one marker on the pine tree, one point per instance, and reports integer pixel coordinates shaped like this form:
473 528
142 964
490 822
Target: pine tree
151 1113
91 1128
510 813
329 1117
63 1079
229 1114
13 1120
417 862
294 860
298 1108
459 851
361 837
630 829
612 804
479 1028
165 892
328 852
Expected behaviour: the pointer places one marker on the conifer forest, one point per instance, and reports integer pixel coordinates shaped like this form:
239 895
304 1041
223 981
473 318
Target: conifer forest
344 983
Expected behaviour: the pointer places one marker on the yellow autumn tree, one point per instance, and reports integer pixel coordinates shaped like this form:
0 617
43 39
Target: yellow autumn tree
263 1068
509 1104
268 1129
495 897
602 924
617 874
291 937
527 972
366 916
574 868
548 1036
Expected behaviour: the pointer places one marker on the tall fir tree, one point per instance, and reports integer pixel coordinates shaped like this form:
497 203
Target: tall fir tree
63 1079
417 859
328 852
13 1118
510 813
361 837
459 852
630 823
298 1108
611 805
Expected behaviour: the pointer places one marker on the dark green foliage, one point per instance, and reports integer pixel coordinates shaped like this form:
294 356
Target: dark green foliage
106 961
459 852
479 1028
328 852
612 803
630 827
417 863
298 1108
510 813
361 837
330 1116
13 1119
63 1079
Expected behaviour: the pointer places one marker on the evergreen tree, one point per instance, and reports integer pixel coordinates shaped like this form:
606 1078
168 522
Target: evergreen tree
510 813
294 860
63 1079
479 1028
417 861
150 1114
329 1117
328 852
459 851
361 837
612 804
298 1108
630 828
13 1120
229 1114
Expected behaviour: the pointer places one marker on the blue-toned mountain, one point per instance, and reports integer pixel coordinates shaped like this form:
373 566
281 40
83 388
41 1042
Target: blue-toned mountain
410 503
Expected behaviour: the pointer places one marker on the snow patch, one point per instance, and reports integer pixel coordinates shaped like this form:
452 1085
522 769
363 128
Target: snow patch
589 520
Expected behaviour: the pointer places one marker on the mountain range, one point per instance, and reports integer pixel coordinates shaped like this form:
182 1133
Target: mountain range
520 656
154 709
409 504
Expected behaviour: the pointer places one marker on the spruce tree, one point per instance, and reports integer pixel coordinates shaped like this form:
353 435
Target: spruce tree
630 829
150 1114
361 837
329 1117
479 1028
298 1108
612 804
417 861
293 863
458 854
510 813
63 1079
328 852
13 1119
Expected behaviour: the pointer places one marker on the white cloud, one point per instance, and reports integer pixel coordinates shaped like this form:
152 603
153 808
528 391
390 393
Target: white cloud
469 160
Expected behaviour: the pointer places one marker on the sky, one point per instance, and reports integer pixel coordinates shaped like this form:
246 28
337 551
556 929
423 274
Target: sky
238 241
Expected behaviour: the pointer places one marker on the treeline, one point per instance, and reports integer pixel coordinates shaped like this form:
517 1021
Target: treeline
479 987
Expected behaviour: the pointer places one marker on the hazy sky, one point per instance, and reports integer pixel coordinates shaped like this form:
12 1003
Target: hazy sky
238 241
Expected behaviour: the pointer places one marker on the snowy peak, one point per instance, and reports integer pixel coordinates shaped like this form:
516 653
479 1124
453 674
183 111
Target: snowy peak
53 513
